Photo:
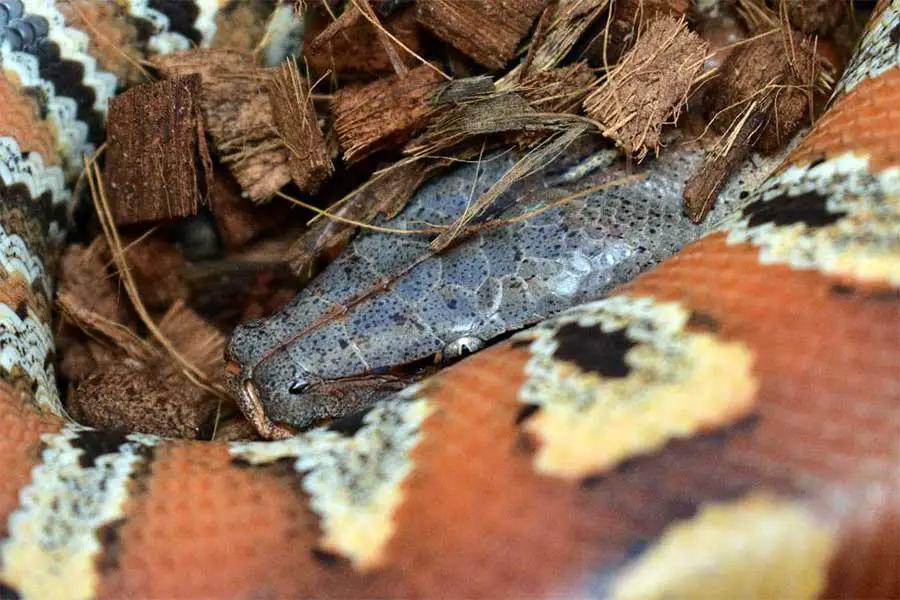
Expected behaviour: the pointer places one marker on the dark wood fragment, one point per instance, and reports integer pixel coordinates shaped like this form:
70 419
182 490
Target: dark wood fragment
703 187
156 143
781 65
351 46
383 114
816 16
488 31
649 87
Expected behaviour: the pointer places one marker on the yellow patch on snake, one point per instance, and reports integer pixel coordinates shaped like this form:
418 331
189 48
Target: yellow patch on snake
354 481
834 216
755 548
645 379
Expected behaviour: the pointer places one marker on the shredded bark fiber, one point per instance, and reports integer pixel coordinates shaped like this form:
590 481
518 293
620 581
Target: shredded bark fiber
383 114
486 30
155 141
296 125
650 86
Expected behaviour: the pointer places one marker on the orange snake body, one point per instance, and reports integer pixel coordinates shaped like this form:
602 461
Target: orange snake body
726 425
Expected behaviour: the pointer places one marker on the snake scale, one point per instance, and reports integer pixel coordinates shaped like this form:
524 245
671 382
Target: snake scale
724 425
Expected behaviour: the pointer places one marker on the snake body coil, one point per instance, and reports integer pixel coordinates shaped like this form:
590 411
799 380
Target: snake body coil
724 425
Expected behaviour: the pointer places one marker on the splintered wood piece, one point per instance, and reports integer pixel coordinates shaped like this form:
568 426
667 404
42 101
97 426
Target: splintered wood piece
628 18
196 340
703 187
351 44
295 121
488 31
383 114
780 65
559 90
649 87
239 115
155 142
816 16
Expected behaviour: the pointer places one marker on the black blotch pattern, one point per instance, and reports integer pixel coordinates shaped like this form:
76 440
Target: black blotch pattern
894 35
703 321
67 78
7 592
182 16
808 207
349 424
526 412
94 444
22 310
326 558
845 292
591 349
111 542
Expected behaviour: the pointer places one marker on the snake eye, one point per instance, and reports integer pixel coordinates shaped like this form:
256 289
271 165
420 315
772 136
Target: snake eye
460 348
298 386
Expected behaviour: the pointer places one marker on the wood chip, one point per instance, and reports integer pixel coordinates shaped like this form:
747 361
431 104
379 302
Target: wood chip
156 265
156 140
649 87
295 122
383 114
612 39
486 30
781 64
350 45
238 111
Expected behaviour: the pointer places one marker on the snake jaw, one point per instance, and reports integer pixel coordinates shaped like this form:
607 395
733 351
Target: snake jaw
246 395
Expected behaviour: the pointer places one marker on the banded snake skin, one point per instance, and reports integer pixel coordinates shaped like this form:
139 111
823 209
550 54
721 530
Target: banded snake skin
725 425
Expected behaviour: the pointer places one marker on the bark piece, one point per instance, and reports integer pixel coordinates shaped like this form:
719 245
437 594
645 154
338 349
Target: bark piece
240 222
703 187
156 265
816 16
486 30
782 65
156 140
611 41
295 122
383 114
126 398
350 45
649 86
239 113
196 340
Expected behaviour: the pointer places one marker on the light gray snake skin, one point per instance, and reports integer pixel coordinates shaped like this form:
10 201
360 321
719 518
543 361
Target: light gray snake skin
387 300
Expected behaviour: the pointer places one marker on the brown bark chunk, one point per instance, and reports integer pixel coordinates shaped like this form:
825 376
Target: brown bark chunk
486 30
156 139
351 45
649 86
383 114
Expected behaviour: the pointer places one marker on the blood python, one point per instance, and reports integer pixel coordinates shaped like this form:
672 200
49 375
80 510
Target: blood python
725 425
